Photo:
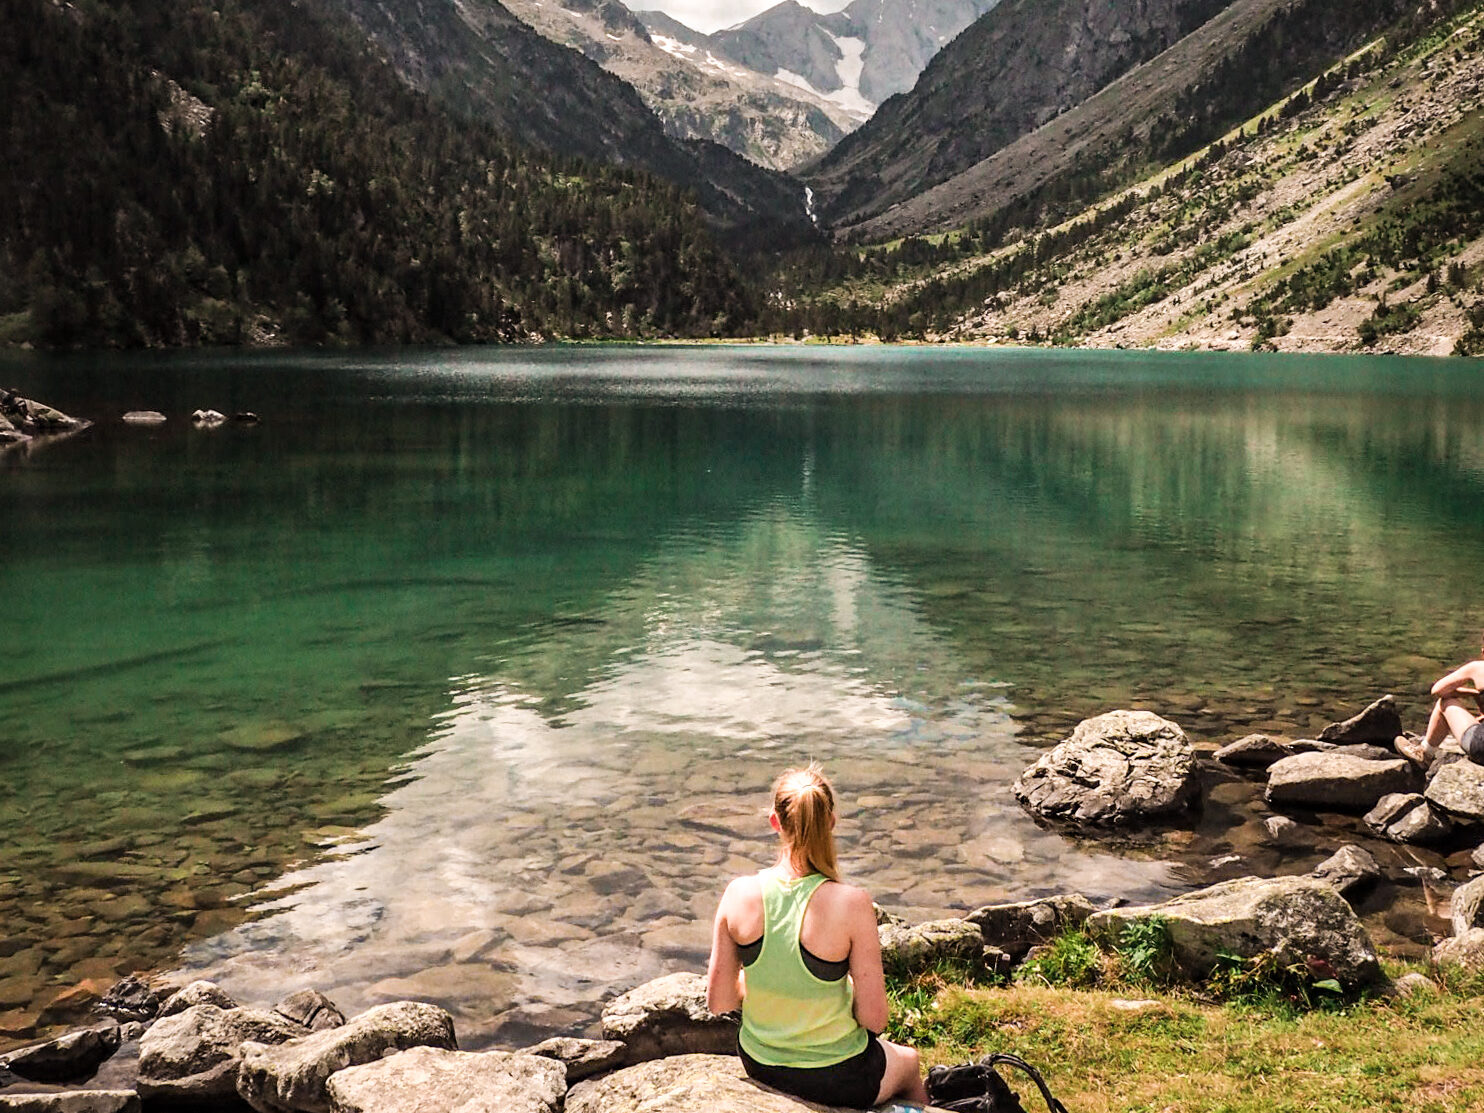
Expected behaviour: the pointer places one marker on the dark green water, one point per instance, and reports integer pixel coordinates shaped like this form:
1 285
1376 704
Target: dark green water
466 672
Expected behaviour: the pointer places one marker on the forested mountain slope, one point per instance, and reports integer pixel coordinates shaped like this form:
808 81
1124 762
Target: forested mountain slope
1012 70
1347 216
477 57
194 172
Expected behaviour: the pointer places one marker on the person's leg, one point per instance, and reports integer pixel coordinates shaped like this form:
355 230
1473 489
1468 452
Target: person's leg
1449 716
903 1077
1459 717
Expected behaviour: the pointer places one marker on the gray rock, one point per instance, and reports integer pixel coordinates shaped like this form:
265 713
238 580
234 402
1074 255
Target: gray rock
682 1084
130 999
1367 752
197 993
1349 869
1458 788
70 1058
668 1016
144 417
1378 723
1461 950
432 1080
885 917
1408 817
1477 857
1292 917
1333 781
25 415
1409 985
1016 928
1284 832
1122 767
582 1058
312 1009
193 1055
1258 751
292 1076
914 948
72 1101
1467 906
209 418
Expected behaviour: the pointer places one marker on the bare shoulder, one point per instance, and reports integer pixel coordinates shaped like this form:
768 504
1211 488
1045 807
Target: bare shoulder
849 899
742 891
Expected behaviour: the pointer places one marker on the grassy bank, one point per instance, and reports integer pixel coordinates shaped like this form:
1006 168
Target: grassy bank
1129 1047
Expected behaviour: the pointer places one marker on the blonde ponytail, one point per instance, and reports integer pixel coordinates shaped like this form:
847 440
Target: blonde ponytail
804 803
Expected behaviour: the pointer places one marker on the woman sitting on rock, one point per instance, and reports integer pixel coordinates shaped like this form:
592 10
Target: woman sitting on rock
797 949
1452 715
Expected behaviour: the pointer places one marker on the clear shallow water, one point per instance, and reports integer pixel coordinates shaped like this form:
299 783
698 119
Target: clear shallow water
467 672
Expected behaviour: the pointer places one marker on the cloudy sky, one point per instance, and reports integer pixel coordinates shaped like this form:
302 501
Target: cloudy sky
713 15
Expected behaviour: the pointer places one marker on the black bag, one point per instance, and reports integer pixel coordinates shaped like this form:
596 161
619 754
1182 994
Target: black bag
978 1087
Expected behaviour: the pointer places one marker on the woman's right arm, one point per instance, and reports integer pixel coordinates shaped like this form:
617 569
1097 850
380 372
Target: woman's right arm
724 970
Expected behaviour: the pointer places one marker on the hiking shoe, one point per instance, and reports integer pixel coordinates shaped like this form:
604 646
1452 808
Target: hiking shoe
1415 750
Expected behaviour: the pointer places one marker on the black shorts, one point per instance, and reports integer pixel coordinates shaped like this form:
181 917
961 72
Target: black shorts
854 1082
1472 743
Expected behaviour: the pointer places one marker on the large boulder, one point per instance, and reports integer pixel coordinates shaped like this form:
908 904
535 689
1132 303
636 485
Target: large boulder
292 1076
72 1101
1378 723
913 948
682 1084
432 1080
193 1056
1334 781
668 1016
1016 928
1467 907
1117 768
70 1058
582 1058
1349 869
1408 817
1292 917
1458 788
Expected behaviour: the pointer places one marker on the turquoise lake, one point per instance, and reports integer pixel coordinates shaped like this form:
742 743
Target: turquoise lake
463 674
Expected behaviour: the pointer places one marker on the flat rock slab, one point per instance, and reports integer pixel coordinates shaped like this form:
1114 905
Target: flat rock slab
72 1101
1258 751
582 1058
73 1057
1122 767
432 1080
1333 781
1458 789
682 1084
293 1076
911 949
1292 917
667 1017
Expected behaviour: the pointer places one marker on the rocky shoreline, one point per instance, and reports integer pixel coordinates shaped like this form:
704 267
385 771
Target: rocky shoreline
659 1042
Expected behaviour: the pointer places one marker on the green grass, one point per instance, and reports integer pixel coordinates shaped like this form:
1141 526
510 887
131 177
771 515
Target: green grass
1180 1053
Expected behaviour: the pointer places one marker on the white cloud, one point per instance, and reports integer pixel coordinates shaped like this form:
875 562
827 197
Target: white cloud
713 15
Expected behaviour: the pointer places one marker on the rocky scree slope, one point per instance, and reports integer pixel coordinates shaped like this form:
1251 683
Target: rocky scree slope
852 59
1016 67
477 57
695 94
1348 216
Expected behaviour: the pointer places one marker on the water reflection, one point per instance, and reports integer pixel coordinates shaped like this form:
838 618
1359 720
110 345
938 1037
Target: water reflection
547 852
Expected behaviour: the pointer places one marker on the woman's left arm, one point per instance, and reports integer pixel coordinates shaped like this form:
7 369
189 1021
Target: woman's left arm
724 970
871 1008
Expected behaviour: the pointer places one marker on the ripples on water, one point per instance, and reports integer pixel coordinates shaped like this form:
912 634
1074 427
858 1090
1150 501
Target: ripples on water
468 674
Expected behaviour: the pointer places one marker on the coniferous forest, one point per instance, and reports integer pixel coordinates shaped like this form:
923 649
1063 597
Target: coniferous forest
246 171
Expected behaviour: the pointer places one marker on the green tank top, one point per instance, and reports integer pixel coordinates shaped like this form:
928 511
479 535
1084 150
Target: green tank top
790 1018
